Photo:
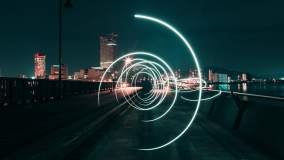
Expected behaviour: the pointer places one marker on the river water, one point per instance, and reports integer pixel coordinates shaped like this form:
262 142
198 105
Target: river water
272 89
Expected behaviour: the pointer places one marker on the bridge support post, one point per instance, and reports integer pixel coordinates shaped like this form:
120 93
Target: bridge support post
41 90
110 86
212 105
25 91
241 110
12 92
54 87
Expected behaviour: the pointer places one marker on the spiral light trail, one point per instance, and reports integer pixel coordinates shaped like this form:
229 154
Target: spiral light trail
161 85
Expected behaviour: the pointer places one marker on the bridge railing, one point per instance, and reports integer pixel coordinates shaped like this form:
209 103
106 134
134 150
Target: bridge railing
276 98
14 90
239 103
257 117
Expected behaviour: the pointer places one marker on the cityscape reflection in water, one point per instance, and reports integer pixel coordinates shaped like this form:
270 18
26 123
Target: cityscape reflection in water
273 89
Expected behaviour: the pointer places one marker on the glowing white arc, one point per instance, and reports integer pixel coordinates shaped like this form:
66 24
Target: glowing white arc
198 69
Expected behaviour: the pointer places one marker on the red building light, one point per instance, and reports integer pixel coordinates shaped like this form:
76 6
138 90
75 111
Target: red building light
101 37
111 50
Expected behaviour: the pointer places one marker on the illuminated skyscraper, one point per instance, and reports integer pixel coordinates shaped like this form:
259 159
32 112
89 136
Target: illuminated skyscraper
246 77
39 66
210 75
108 51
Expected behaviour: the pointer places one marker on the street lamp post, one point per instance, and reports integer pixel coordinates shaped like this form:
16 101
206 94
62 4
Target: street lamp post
66 5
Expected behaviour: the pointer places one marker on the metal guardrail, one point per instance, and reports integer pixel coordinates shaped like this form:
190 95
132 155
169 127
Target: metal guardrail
14 90
241 106
277 98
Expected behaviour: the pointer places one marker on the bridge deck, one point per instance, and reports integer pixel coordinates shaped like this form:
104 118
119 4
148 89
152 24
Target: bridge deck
204 140
21 125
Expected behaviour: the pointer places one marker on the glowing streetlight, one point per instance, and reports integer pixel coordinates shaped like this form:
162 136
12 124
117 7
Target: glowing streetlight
128 60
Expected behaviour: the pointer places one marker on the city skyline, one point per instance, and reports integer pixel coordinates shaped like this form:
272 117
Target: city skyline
197 79
218 32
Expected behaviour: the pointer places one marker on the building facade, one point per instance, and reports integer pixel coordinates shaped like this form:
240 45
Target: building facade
193 73
215 77
55 71
178 73
244 77
108 51
220 77
96 75
210 75
39 67
76 75
22 76
83 73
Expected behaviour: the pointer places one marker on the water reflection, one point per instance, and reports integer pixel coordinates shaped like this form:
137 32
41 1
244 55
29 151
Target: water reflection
224 86
244 87
245 98
273 89
276 89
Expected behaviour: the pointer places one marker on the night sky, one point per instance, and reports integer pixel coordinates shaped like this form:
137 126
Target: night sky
238 35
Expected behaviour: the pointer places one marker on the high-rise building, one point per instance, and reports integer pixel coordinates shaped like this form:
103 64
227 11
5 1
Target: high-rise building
193 73
215 77
220 77
55 71
39 71
246 77
210 75
178 73
108 51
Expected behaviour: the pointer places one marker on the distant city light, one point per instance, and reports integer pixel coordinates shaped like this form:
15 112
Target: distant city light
111 44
